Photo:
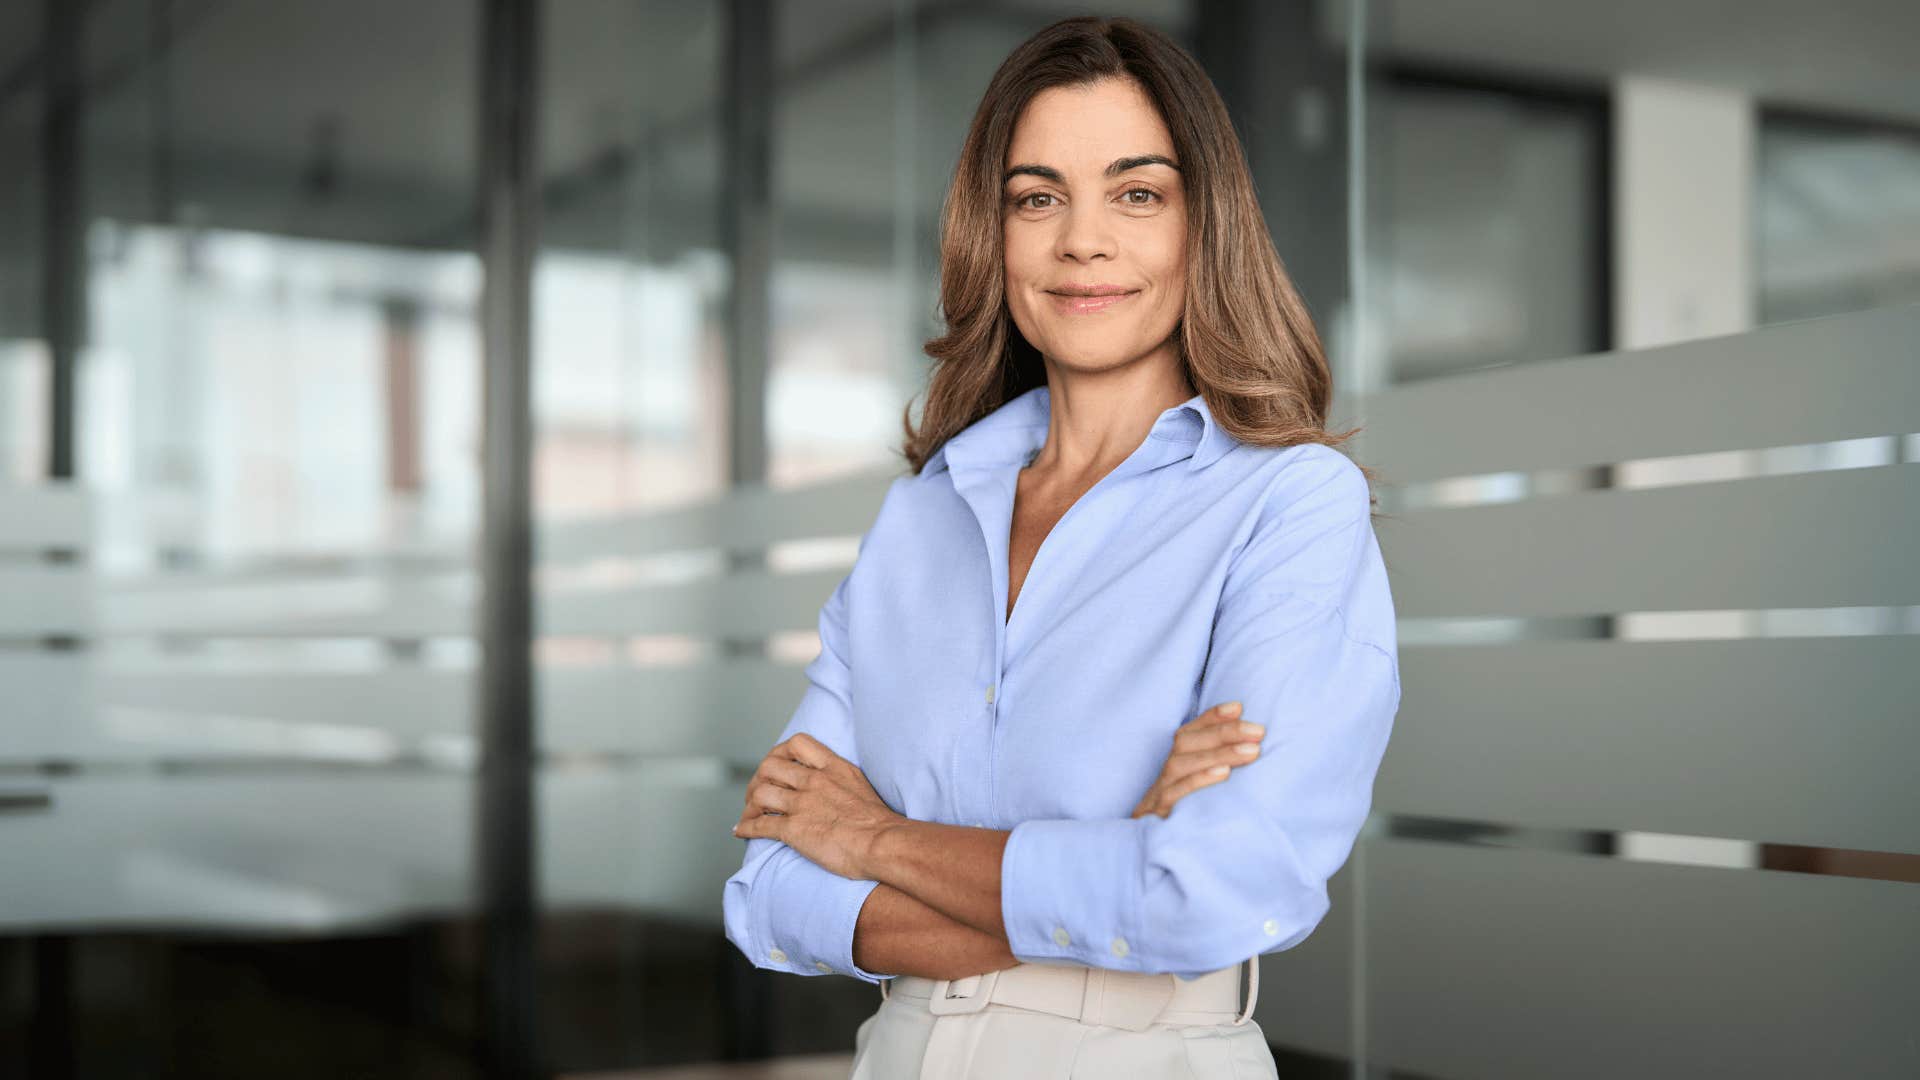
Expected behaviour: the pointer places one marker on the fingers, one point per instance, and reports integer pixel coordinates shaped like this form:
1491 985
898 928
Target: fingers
1236 753
1218 726
1215 737
1163 797
1193 782
1205 750
764 797
759 825
807 750
781 771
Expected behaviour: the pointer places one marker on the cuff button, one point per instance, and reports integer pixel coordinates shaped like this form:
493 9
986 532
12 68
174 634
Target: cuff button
1272 927
1119 946
777 956
822 965
1060 935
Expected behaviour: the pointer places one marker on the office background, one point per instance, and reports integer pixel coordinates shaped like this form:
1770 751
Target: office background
1627 295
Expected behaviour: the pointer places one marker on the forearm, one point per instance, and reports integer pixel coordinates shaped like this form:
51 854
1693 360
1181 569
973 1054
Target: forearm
953 869
899 935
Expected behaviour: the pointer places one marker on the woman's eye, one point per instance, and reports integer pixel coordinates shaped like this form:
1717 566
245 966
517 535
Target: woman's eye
1027 201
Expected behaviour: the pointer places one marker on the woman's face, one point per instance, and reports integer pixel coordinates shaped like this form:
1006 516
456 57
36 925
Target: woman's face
1093 199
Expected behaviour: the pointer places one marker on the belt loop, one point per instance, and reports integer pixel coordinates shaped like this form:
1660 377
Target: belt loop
1131 1000
1253 991
974 992
1092 989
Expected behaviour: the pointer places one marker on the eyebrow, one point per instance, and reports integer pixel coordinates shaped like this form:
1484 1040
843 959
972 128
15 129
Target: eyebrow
1120 165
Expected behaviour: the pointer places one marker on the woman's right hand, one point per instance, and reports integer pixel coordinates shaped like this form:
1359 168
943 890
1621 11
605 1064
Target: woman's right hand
1205 750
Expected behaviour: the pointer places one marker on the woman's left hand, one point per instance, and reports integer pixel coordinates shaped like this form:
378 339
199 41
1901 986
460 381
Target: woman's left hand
816 802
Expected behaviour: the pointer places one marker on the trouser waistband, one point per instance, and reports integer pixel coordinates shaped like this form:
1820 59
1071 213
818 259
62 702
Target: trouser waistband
1125 999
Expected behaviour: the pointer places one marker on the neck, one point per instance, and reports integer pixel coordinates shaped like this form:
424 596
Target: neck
1098 418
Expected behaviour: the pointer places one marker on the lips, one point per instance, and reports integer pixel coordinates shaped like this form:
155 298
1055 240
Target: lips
1102 298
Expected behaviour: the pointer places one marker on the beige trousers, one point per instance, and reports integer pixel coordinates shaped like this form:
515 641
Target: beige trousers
1065 1022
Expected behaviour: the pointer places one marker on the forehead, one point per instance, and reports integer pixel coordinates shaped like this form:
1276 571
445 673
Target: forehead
1082 128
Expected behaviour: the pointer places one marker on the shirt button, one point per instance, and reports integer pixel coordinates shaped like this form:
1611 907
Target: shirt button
1271 926
1119 946
777 956
989 693
822 965
1060 935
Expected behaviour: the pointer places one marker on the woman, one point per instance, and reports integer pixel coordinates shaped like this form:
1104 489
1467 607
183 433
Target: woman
1128 559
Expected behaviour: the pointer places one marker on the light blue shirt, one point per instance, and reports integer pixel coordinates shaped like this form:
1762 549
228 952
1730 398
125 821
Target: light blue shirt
1200 570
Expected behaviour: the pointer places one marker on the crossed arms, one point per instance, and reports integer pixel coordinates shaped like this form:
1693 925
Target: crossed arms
835 882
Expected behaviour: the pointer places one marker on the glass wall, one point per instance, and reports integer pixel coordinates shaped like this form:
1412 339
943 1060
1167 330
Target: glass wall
234 749
238 733
279 278
1550 179
1488 199
1639 281
1837 212
23 363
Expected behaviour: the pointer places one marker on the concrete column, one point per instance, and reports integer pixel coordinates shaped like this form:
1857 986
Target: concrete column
1683 210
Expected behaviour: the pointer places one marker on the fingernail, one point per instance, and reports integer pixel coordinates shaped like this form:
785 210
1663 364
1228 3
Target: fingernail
1251 728
1217 770
1247 749
735 830
1230 709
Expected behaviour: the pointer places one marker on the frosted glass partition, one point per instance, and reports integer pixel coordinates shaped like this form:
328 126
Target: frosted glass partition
288 744
1640 695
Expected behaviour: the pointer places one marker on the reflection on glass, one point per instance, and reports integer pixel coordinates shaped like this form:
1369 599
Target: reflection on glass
1484 243
241 686
1838 213
1553 179
281 382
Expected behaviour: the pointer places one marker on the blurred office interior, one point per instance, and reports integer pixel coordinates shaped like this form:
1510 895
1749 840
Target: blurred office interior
1626 295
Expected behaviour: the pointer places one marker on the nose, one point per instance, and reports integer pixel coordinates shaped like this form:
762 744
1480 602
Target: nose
1086 232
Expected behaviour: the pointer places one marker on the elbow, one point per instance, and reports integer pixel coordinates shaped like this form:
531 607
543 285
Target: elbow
738 915
737 920
743 904
747 925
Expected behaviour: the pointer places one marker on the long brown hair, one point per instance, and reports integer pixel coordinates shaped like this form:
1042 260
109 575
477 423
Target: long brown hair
1248 344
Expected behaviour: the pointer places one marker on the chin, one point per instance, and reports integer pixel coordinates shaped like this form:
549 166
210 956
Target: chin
1097 355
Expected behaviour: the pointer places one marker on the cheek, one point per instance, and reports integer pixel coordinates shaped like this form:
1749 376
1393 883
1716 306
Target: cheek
1169 259
1020 276
1019 258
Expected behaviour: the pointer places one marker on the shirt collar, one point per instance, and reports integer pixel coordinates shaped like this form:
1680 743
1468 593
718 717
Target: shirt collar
1014 432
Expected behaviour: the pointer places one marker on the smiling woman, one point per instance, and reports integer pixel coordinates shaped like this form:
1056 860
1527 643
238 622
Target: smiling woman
1097 711
1102 159
1071 213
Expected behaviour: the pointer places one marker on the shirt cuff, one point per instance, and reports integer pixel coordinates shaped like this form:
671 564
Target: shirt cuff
1049 897
812 932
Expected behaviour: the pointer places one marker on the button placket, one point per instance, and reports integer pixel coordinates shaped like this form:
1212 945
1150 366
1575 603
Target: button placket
988 494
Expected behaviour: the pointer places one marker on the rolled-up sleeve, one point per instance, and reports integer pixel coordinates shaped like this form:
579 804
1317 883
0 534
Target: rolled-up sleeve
783 911
1304 637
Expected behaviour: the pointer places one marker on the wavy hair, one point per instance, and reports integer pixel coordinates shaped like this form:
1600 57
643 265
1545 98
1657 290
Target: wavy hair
1247 342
